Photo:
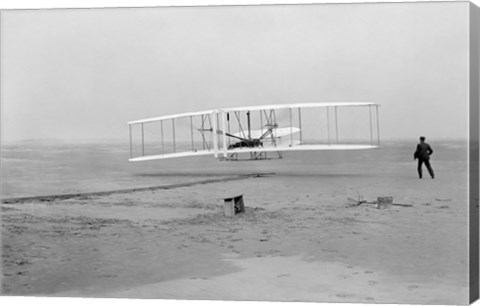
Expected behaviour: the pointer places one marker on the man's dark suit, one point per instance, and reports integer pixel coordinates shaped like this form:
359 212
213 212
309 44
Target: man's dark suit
423 153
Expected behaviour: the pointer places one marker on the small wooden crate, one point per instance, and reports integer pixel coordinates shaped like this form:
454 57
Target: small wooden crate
233 205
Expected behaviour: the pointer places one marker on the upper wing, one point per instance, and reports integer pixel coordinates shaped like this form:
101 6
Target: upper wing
300 105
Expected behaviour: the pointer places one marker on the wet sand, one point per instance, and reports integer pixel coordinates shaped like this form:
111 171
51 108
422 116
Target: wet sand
299 240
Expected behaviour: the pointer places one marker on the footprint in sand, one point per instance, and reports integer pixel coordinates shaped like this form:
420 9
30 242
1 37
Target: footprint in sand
271 252
443 200
37 258
344 295
134 249
22 262
44 247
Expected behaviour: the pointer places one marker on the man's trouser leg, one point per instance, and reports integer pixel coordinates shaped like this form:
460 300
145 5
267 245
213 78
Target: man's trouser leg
429 168
419 168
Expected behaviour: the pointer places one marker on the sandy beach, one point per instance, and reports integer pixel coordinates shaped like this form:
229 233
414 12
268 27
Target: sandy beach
299 240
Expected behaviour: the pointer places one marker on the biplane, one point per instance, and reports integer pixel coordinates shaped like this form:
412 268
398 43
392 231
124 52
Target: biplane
257 132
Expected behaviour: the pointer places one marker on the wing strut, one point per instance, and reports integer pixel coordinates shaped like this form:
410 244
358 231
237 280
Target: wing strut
328 125
143 142
131 140
300 123
173 132
261 122
191 133
378 126
162 136
215 136
291 127
228 123
248 125
224 138
371 127
202 118
336 124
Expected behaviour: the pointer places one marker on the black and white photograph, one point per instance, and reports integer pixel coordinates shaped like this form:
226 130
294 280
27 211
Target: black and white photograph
309 152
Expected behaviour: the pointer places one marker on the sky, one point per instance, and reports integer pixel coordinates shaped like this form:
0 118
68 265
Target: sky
82 74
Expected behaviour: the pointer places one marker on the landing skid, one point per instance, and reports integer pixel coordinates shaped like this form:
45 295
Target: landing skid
253 156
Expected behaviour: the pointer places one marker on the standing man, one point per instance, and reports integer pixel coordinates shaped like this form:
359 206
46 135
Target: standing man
423 153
